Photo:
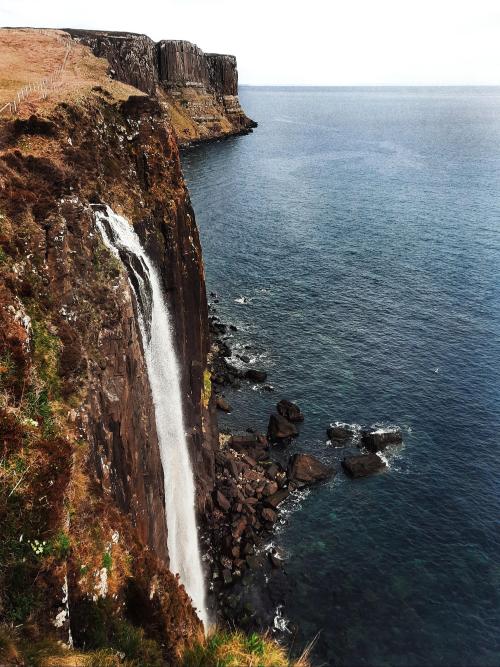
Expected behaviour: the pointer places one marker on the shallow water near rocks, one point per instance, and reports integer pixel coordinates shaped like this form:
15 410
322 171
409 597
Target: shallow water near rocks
354 239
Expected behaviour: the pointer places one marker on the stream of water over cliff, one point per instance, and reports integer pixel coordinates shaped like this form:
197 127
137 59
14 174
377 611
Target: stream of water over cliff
163 372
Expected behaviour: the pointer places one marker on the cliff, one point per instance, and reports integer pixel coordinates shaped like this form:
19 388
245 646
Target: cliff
199 91
81 487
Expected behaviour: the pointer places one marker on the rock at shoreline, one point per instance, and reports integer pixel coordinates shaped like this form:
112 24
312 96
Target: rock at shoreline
290 411
277 498
376 440
363 465
280 429
223 404
307 469
255 375
339 433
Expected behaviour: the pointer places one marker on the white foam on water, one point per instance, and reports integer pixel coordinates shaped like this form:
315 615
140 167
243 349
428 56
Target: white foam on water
164 378
280 622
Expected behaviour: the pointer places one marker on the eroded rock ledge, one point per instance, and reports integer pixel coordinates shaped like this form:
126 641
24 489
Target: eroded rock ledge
199 90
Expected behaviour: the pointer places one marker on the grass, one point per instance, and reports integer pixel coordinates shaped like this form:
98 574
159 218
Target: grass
235 649
207 387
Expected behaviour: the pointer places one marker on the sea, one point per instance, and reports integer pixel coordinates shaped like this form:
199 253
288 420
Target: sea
354 241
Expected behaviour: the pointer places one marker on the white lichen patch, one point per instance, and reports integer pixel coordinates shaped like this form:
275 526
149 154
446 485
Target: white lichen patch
101 586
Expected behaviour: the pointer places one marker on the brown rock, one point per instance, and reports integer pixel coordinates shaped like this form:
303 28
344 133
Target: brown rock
223 404
363 465
290 411
277 498
270 488
222 501
378 439
307 469
239 527
280 428
269 515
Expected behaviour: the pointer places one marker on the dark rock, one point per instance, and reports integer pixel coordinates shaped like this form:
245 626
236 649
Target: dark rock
339 432
270 489
267 387
223 404
226 575
243 358
269 515
277 498
255 375
239 527
290 411
272 471
253 562
308 469
276 561
222 501
363 465
233 328
280 428
376 440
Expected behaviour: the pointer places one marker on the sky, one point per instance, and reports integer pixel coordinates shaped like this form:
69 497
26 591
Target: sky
306 42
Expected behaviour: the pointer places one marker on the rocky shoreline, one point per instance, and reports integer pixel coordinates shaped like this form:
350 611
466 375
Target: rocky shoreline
255 476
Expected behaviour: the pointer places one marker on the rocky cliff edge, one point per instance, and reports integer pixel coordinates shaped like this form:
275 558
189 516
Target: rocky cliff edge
199 91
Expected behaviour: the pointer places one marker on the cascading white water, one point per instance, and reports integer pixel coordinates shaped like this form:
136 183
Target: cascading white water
163 372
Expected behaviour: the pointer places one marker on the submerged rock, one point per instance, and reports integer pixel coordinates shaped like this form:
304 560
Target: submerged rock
307 469
255 375
376 440
290 411
363 465
280 429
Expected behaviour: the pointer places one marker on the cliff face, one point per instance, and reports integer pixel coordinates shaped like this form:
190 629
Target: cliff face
81 494
199 91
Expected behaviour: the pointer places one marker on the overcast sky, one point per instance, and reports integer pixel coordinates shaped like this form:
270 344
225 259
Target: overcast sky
306 42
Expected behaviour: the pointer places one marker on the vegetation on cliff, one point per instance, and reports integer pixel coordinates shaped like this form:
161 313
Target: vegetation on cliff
83 543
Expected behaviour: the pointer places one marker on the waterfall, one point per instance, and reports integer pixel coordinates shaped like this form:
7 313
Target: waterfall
163 372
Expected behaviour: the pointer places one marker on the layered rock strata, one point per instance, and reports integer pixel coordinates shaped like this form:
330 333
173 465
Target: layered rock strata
199 91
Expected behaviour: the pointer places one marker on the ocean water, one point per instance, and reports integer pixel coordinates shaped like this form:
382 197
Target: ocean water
363 228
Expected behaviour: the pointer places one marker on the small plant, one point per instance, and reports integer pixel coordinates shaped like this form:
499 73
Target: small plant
107 561
61 545
40 547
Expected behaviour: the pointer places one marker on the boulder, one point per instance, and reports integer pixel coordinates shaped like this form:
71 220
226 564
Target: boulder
280 428
222 404
377 439
339 432
277 498
270 488
269 515
308 469
255 375
363 465
290 411
223 502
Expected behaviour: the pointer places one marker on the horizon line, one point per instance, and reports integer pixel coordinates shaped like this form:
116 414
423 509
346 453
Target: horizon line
369 85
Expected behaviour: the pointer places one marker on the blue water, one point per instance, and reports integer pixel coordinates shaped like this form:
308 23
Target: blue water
363 227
